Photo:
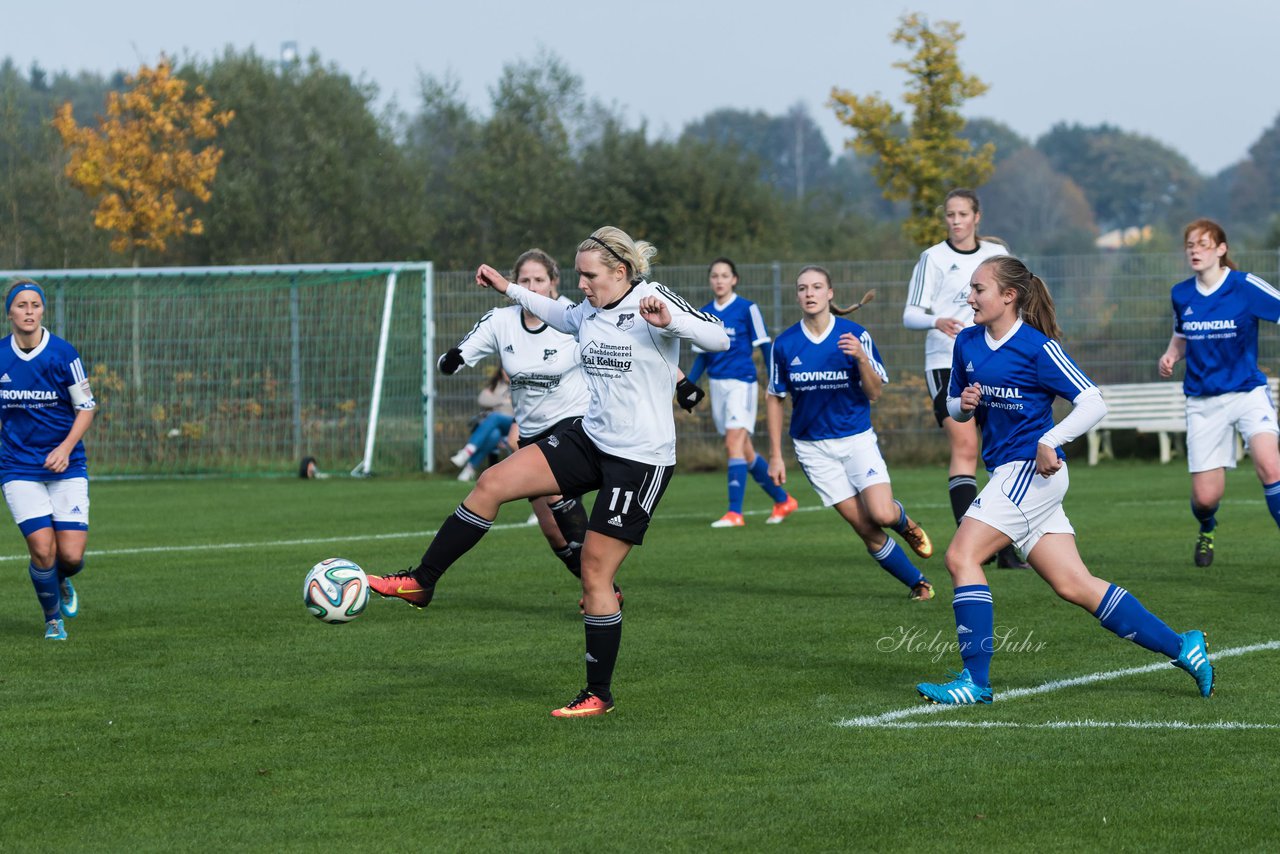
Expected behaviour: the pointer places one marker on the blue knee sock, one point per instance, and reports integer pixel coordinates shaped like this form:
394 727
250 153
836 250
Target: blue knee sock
45 582
975 629
1122 614
1206 516
760 471
1272 493
737 483
894 560
901 524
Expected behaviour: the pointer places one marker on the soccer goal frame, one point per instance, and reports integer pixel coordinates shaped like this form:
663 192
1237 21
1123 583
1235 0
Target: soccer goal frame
91 307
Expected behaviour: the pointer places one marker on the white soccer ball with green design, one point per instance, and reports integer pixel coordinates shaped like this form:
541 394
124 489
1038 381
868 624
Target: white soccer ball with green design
336 590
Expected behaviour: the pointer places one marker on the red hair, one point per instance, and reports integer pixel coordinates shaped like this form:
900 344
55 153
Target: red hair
1216 233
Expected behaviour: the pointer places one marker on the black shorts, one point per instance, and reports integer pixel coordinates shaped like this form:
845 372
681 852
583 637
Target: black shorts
939 380
629 490
559 427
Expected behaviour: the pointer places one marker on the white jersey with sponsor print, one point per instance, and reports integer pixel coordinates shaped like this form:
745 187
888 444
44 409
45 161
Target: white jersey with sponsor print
547 385
940 288
630 365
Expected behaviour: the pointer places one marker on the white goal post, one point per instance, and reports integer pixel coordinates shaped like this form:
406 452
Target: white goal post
247 369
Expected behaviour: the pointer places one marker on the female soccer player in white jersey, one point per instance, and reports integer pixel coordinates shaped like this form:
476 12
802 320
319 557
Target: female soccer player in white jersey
628 333
937 302
548 390
46 406
734 393
1215 328
1007 371
831 369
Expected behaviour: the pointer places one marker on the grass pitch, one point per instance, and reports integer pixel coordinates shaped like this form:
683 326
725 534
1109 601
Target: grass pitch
198 706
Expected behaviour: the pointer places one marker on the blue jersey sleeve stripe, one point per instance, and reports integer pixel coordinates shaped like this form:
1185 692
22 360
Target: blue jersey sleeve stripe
757 325
77 371
775 385
1270 292
1073 374
869 346
1262 284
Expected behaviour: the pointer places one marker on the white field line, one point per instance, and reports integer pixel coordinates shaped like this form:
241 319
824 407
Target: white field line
410 535
1082 724
888 719
350 538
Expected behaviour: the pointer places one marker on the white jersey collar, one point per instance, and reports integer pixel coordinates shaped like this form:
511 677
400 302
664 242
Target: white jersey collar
39 348
818 339
1226 271
721 306
996 345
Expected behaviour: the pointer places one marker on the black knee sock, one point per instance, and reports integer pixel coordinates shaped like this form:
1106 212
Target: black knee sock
1206 516
572 557
571 519
604 635
962 488
66 569
459 533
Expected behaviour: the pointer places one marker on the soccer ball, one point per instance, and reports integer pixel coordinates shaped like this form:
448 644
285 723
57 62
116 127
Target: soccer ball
336 590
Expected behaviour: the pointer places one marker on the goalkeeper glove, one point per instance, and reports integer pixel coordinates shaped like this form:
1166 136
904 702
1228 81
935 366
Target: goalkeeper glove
688 395
451 361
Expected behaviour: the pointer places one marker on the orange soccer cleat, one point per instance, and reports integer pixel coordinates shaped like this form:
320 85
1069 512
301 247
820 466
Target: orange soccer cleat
782 510
729 520
917 539
402 585
584 705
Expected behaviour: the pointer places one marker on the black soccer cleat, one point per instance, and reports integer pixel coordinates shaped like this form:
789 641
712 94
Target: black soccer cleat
1008 558
1204 549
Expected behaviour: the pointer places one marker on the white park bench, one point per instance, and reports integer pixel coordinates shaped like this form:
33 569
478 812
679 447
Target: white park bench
1158 407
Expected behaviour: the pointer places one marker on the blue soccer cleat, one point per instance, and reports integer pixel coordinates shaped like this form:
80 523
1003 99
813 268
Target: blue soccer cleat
70 601
1194 658
961 691
54 630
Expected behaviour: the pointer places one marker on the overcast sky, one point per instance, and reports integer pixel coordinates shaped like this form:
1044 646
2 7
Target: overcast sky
1198 76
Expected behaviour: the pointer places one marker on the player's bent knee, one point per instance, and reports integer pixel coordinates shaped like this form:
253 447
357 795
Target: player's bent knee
958 560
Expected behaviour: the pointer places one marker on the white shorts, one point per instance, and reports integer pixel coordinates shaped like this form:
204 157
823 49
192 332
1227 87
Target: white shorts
1213 421
1023 505
841 468
59 504
733 405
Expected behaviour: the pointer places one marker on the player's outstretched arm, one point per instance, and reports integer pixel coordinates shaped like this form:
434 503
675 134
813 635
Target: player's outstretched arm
488 277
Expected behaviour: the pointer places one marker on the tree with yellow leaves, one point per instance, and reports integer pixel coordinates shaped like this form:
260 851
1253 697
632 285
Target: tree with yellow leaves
143 162
931 157
146 159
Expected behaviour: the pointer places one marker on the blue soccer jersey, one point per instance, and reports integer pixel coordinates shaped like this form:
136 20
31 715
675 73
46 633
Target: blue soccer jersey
40 394
827 400
1020 375
1221 331
745 326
